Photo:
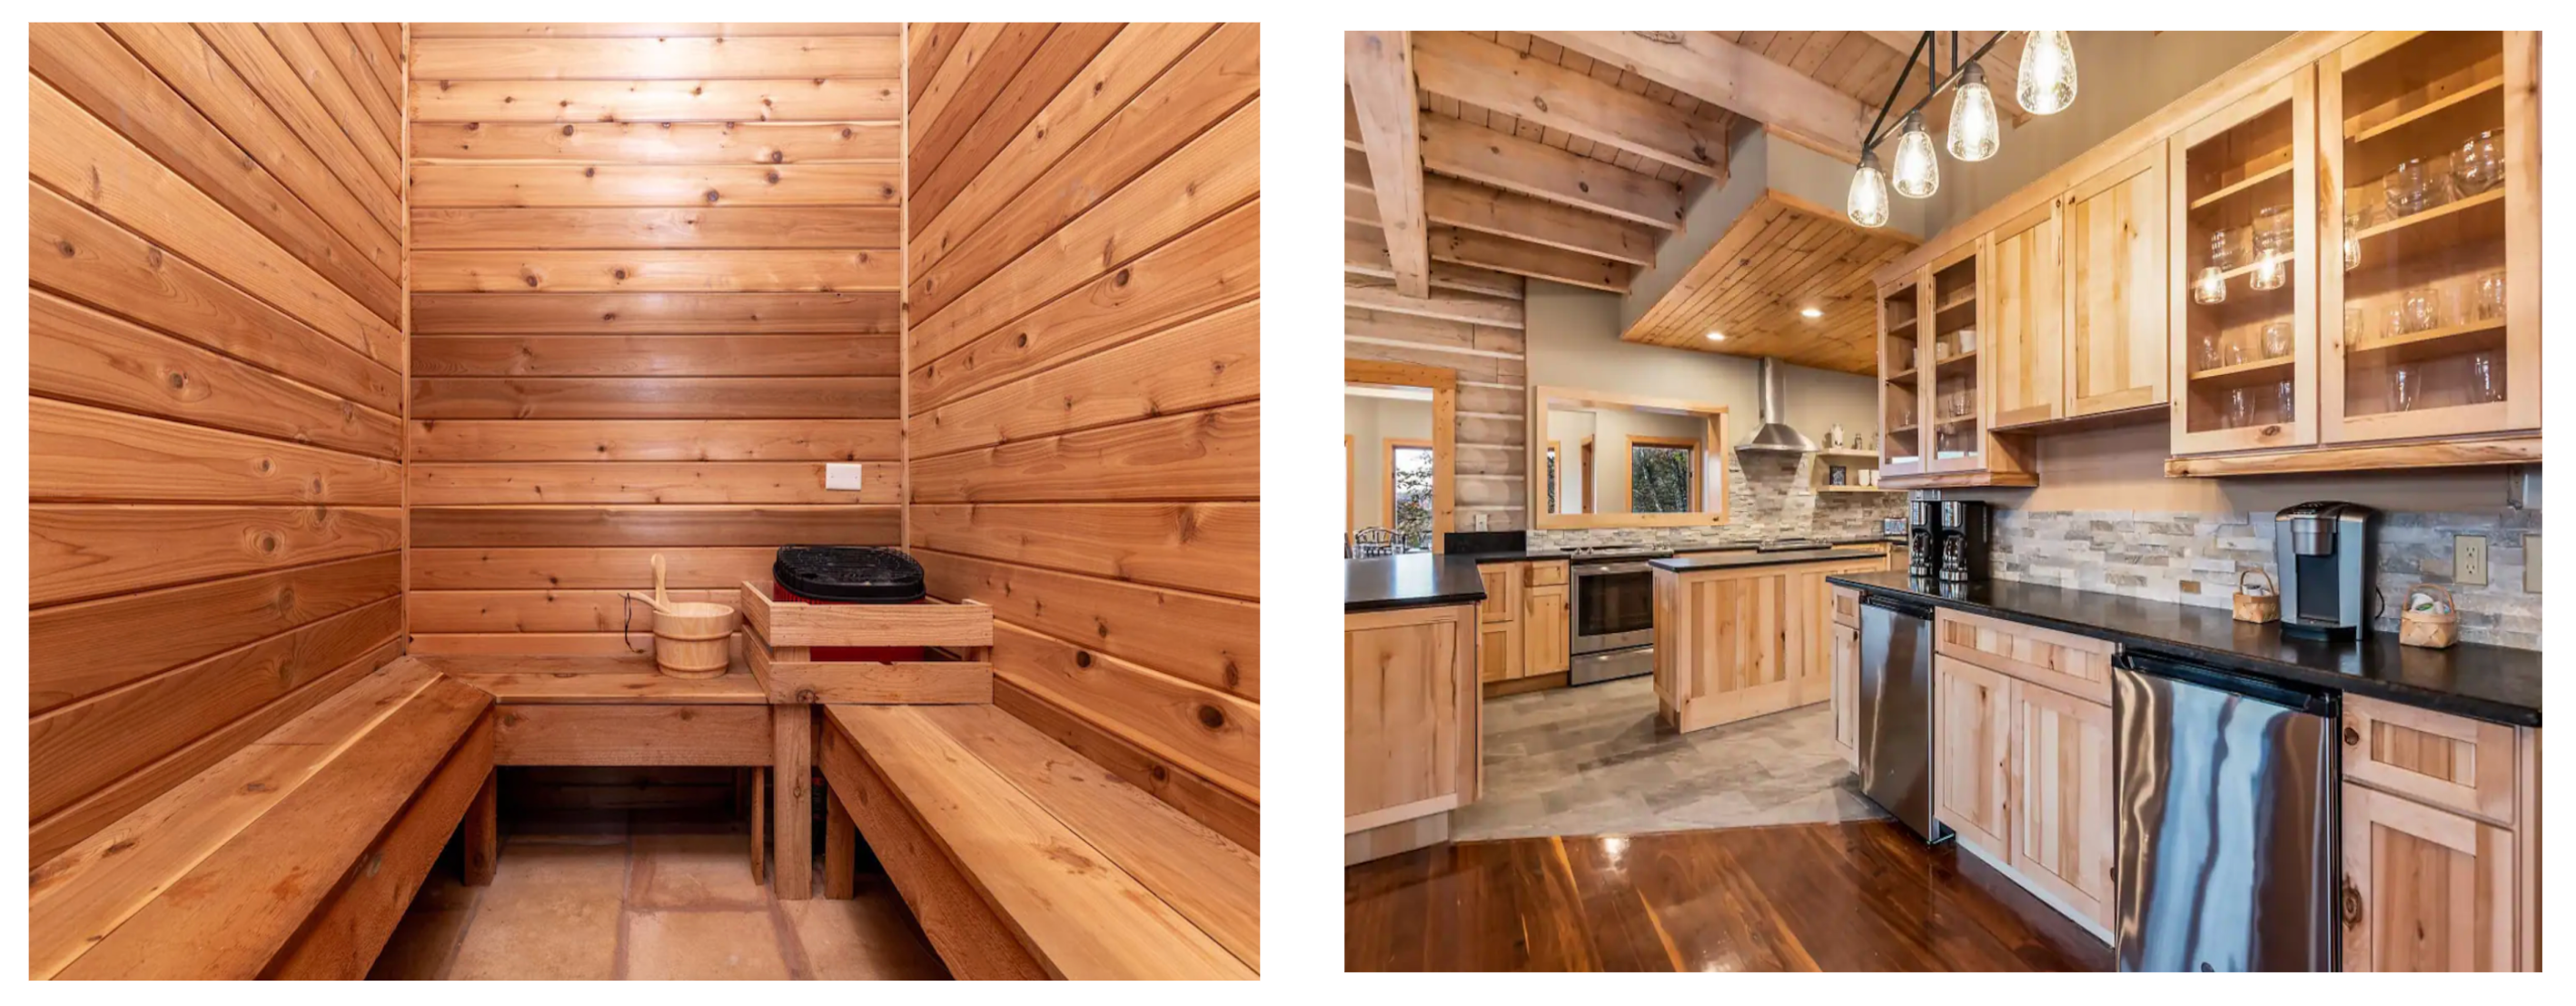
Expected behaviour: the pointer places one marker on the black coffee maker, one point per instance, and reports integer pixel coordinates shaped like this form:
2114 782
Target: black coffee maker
1966 535
1922 536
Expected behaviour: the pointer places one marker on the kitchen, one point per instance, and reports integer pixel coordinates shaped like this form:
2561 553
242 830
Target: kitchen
2168 375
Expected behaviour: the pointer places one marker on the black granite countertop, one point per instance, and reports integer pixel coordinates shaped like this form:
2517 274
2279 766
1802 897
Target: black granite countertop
1701 561
2492 683
1647 552
1416 580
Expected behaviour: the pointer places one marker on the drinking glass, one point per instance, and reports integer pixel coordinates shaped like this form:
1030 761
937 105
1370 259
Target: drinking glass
2394 324
2410 188
2209 351
2222 248
2211 287
2403 387
2272 232
2423 307
2233 351
2276 339
2240 408
2288 399
2479 163
1966 340
2490 296
2351 323
2351 240
2485 385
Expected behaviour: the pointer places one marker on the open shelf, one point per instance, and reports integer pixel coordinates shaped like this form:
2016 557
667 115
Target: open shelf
1957 302
1944 363
2429 109
1856 489
2247 367
1850 454
1900 377
2248 269
2462 333
2452 208
2251 181
1900 326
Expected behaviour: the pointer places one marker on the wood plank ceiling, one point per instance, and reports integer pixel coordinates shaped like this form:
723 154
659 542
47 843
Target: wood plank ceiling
1782 257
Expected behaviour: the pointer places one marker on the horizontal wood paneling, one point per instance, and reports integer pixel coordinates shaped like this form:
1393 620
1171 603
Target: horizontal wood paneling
1209 455
648 29
215 411
1126 382
657 281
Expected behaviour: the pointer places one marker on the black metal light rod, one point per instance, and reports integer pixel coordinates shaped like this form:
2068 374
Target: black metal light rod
1959 67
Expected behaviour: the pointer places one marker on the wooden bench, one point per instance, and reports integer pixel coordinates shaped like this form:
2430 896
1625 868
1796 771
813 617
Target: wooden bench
292 858
1022 859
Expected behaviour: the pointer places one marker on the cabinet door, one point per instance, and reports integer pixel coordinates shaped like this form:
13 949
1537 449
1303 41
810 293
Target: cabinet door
1498 651
1846 698
2245 264
1954 291
1972 749
2432 320
2424 889
2115 288
1544 642
1900 399
2062 797
1502 583
2028 312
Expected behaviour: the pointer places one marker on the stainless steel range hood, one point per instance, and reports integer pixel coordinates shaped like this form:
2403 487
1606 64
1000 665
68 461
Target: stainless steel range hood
1774 435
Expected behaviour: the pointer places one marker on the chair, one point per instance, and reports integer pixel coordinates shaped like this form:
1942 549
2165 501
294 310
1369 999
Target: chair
1372 542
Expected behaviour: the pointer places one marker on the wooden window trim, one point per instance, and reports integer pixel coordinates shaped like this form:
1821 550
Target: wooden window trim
1713 486
1386 454
1443 383
1698 479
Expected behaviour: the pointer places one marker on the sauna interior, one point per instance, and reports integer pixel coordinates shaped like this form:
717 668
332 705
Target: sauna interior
371 366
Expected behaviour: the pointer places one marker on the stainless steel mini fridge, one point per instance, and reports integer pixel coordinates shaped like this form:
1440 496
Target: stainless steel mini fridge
1895 714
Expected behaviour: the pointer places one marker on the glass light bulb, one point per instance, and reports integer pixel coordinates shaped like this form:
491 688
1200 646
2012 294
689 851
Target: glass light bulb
2270 273
1918 168
2047 72
1867 205
1974 133
2210 288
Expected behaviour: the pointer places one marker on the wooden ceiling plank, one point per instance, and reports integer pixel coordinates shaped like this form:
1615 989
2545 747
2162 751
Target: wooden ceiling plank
1541 91
1782 254
1482 155
1376 294
1465 247
1702 65
1484 208
1378 68
1364 254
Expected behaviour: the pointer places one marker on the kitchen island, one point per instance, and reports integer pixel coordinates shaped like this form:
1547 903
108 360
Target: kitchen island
1410 708
1746 634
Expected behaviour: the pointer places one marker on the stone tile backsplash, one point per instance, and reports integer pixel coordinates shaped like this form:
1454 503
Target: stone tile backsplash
2194 558
1768 495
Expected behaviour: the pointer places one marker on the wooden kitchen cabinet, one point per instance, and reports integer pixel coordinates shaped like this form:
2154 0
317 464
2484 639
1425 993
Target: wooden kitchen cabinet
2418 342
1944 396
2116 274
1845 644
1499 656
1410 716
1545 645
2425 889
2451 762
1900 396
1972 755
2027 315
2062 798
2245 261
1733 643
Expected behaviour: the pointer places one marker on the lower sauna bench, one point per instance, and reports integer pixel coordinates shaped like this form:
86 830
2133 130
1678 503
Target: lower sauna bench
292 858
1023 859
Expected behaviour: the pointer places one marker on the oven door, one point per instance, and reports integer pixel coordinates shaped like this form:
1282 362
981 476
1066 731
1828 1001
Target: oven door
1614 606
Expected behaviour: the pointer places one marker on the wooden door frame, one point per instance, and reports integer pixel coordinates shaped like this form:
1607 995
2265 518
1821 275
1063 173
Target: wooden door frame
1713 491
1443 383
1386 455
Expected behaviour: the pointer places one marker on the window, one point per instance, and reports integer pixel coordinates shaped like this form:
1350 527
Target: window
1552 480
1408 493
1663 475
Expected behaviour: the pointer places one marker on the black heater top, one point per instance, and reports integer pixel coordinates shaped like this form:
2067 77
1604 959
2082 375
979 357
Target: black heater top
849 573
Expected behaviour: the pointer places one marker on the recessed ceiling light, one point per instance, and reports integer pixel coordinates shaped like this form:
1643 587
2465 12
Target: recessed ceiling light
1809 312
1717 337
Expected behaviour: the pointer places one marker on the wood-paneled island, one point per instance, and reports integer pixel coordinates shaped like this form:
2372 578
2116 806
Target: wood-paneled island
1410 707
1746 634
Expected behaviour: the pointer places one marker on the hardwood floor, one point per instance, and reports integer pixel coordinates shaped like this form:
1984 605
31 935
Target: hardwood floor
1855 896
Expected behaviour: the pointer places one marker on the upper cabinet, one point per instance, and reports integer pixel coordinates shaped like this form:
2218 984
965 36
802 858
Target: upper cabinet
2028 317
2115 288
2432 191
1952 298
1939 405
1900 398
2244 206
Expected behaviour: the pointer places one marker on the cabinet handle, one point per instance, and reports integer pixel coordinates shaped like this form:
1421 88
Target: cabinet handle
2351 904
2351 737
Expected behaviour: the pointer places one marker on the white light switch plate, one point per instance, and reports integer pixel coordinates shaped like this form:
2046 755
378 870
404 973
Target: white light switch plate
841 476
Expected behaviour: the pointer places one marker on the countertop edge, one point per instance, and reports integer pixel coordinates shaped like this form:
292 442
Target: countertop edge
1442 601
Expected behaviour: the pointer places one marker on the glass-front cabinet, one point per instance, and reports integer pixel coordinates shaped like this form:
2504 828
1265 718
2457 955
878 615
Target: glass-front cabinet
1950 384
2244 272
1900 402
2431 326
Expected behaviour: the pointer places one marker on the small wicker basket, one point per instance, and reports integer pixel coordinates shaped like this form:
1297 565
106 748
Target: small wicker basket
2431 630
2253 607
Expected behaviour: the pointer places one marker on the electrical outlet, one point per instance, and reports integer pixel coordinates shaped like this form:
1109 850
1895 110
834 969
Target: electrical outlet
2469 560
1480 521
2531 563
843 475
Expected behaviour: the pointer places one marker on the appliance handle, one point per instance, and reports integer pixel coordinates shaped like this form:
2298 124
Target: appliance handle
1600 569
2317 702
1906 608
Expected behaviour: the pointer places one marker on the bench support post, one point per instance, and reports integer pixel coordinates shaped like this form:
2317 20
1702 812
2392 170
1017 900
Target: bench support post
482 831
793 733
759 824
840 849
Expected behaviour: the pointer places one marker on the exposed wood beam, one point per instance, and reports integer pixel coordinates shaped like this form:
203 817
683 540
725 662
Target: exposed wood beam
1378 67
1704 66
2003 70
1364 254
1507 162
1470 69
1379 295
1466 247
1484 208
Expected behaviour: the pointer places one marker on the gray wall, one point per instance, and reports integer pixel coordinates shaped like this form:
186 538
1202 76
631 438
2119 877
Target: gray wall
1574 342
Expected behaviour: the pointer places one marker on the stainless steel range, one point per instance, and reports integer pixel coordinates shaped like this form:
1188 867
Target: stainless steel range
1613 618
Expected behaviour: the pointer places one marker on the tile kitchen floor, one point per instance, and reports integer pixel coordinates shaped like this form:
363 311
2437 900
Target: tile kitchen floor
616 895
1590 760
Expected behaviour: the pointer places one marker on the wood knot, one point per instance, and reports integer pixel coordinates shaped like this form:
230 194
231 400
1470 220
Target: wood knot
777 157
1211 717
1082 658
591 172
772 176
65 248
619 273
567 129
711 195
1121 279
1023 341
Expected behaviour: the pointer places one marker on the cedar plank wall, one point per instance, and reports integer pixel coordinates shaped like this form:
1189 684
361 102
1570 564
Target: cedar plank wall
215 421
1084 414
655 284
1493 398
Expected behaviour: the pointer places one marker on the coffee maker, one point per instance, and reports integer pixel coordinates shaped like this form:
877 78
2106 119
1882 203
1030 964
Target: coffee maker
2324 554
1922 536
1966 535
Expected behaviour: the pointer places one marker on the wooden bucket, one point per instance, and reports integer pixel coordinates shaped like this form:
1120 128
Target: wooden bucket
691 639
2429 629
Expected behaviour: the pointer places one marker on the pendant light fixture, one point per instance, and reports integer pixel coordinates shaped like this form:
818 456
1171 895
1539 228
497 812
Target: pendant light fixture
2047 73
1918 166
1867 205
1974 133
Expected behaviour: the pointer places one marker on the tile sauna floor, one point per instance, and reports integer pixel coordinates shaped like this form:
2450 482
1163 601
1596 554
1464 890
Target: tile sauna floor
1589 760
645 895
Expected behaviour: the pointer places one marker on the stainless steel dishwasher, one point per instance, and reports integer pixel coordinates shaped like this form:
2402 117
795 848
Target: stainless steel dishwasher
1896 711
2227 810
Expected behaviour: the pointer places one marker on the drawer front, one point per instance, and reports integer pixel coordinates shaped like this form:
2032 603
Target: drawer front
1502 592
2450 762
1546 574
1846 603
2076 665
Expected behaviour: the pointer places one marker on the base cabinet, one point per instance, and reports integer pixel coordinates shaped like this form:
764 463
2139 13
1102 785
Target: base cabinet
1545 644
2022 770
2062 798
1972 755
2424 889
1498 651
1845 643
